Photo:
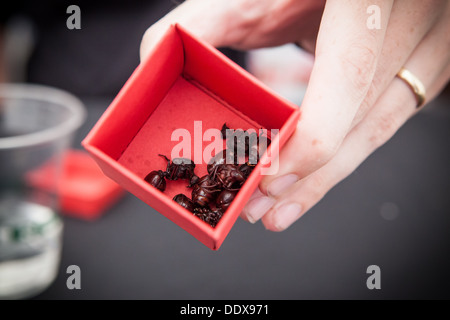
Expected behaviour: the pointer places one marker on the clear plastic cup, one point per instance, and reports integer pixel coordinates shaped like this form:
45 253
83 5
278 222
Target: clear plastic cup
37 124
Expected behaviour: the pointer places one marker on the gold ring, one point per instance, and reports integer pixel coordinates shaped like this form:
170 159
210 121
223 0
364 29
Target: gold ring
414 83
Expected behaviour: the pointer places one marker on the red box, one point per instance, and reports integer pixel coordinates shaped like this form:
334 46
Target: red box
84 191
183 80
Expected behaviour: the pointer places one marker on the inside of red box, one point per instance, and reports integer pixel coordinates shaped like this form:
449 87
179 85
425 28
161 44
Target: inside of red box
192 111
228 81
184 82
143 93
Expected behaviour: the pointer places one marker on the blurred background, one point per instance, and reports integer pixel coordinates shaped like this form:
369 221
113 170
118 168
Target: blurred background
393 211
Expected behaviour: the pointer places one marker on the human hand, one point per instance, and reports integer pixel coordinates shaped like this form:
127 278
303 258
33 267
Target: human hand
354 102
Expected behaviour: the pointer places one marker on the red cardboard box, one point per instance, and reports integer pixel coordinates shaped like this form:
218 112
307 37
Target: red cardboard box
84 191
183 80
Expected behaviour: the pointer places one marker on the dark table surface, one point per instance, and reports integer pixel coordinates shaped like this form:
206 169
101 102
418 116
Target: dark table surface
393 211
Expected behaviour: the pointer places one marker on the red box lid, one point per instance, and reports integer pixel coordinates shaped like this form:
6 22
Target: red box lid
183 82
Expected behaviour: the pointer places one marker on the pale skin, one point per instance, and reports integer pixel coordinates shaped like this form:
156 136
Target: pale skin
354 102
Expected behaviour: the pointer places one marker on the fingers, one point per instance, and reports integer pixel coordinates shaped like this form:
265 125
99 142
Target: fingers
241 24
346 59
208 20
405 30
394 108
396 105
396 48
433 51
431 64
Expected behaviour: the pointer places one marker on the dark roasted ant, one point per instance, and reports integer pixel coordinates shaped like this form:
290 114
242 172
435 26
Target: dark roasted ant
247 143
224 199
256 150
156 179
210 216
228 176
180 168
204 191
246 169
213 193
225 156
236 142
194 180
184 201
240 142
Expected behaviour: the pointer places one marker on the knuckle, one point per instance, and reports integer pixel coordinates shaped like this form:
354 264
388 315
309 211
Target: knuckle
324 153
318 184
323 150
321 143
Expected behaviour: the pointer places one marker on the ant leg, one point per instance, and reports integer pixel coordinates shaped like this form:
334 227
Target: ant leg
167 159
166 173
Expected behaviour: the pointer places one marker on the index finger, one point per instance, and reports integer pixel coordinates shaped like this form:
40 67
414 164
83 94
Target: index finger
205 19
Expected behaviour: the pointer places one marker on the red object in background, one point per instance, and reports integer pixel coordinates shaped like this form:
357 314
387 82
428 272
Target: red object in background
84 191
181 81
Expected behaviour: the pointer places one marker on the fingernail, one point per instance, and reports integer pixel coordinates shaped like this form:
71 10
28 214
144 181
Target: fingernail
280 184
258 207
286 215
256 194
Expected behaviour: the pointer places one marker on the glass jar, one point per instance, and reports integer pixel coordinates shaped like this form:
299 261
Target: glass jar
37 124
